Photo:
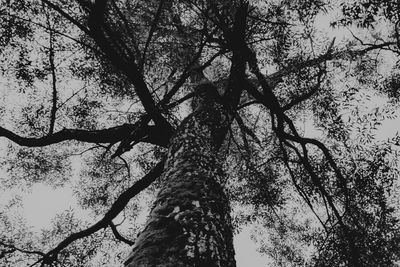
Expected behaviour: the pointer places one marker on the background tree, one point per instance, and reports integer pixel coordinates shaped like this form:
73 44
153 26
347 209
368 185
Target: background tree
198 106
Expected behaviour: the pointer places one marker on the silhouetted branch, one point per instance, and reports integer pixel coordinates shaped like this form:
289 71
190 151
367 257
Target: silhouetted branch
53 79
86 45
270 21
13 248
119 236
276 77
127 26
151 32
354 252
298 188
269 99
115 209
189 70
67 16
110 48
245 129
110 135
236 41
181 100
125 64
307 95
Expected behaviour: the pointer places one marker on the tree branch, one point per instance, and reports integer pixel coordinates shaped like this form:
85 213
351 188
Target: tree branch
297 186
119 236
276 77
13 248
353 254
151 32
269 99
67 16
110 135
189 70
123 62
307 95
115 209
237 43
54 79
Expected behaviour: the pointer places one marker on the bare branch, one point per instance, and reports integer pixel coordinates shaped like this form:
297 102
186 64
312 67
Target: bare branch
265 21
13 248
119 236
237 41
54 78
67 16
298 188
151 32
110 135
125 63
353 254
269 99
86 45
189 70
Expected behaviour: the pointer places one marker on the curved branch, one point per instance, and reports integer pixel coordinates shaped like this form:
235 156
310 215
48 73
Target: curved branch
308 94
269 99
115 209
119 236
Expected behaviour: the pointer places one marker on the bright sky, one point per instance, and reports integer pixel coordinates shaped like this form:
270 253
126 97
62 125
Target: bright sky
43 203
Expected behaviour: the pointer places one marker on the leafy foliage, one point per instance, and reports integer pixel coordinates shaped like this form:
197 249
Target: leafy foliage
323 200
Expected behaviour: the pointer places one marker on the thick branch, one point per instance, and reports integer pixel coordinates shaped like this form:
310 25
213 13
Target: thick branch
124 63
237 43
110 135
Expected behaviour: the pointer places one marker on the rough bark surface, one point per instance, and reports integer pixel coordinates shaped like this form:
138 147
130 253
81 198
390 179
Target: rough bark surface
190 222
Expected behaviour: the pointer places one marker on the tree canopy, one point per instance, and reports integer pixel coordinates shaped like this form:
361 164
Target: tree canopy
97 96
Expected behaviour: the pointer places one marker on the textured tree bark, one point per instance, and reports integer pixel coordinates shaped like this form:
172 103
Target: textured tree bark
190 222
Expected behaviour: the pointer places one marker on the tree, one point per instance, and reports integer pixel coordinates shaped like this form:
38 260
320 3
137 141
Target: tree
109 82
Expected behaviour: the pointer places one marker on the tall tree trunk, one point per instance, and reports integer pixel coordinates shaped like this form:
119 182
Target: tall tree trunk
190 222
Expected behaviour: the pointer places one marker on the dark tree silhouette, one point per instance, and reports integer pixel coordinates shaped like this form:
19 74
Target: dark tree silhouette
205 99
